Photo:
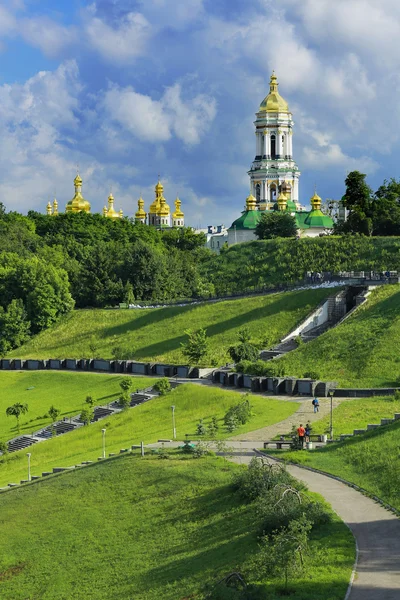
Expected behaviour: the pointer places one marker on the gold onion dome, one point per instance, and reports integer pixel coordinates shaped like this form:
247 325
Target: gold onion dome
55 207
156 204
140 213
274 102
251 202
48 208
164 209
178 214
78 202
110 212
316 202
282 201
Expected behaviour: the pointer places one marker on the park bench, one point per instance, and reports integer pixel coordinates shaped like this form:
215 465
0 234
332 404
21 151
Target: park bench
279 444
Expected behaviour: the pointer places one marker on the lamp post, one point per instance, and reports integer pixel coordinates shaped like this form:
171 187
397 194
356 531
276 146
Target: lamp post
103 431
331 415
29 465
173 422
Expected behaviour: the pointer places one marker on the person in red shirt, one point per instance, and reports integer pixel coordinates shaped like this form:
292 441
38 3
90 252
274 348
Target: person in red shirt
301 432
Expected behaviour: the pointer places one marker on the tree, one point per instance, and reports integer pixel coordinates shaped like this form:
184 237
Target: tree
245 350
276 224
54 413
89 400
14 326
126 384
124 400
3 445
358 201
16 410
86 416
162 386
196 347
201 429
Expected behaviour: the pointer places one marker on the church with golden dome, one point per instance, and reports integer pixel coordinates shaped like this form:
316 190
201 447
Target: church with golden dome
159 211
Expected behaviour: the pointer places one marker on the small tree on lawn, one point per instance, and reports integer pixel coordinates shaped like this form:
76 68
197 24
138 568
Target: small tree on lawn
126 384
196 347
89 401
124 400
162 386
3 448
16 410
201 429
244 350
86 416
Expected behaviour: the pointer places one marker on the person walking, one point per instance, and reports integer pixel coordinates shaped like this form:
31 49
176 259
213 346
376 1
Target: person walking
301 432
315 404
307 431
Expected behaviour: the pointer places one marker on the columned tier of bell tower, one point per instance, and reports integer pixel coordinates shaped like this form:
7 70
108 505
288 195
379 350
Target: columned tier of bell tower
273 164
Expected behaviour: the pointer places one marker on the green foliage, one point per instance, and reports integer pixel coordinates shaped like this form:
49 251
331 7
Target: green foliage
126 384
259 478
53 413
245 350
276 224
260 368
201 429
311 375
124 400
3 448
14 326
162 386
16 410
89 400
196 347
238 414
86 416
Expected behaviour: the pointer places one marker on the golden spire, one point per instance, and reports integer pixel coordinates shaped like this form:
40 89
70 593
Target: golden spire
110 212
78 202
55 207
121 213
251 202
282 201
48 209
156 204
164 209
178 214
140 214
274 101
104 211
316 201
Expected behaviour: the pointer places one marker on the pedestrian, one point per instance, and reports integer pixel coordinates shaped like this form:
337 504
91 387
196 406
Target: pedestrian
301 432
315 404
308 431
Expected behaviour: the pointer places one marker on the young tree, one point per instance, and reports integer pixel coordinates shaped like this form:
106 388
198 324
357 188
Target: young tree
54 413
162 386
125 400
126 384
358 201
89 401
196 347
3 448
276 224
14 326
86 416
16 410
245 350
201 429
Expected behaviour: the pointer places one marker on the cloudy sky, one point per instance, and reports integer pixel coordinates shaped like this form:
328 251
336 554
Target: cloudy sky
128 89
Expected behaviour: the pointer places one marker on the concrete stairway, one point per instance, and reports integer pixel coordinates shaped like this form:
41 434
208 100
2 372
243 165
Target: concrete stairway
370 427
21 442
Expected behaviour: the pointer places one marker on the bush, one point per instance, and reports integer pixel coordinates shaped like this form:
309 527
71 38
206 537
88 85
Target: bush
201 429
312 375
260 368
238 414
245 351
124 401
259 478
3 448
162 386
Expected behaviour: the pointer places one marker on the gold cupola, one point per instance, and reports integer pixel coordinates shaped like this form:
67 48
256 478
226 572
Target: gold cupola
251 202
156 205
274 103
316 202
110 212
164 210
55 207
49 209
178 216
78 202
282 201
140 214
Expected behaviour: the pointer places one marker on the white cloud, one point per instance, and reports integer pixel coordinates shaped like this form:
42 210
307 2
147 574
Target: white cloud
157 120
47 35
122 44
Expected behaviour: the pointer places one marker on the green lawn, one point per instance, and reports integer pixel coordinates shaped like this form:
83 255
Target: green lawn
66 391
148 422
357 414
370 460
157 334
143 530
364 351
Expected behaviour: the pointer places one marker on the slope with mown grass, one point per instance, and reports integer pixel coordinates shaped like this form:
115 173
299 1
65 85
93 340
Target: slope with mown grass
364 351
370 460
65 391
147 529
147 422
157 334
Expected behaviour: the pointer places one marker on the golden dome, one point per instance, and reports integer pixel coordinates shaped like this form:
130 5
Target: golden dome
282 201
316 202
178 214
274 101
104 211
48 208
110 212
251 202
55 207
159 187
164 209
140 213
78 202
156 205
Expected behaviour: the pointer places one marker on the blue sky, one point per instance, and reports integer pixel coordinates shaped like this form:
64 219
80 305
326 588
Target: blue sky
128 89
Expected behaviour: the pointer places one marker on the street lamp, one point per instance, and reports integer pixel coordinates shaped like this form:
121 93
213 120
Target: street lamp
173 422
331 392
103 431
29 465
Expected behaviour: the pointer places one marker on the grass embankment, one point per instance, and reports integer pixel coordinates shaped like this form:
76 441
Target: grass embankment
357 414
147 422
157 334
145 529
364 351
66 391
370 460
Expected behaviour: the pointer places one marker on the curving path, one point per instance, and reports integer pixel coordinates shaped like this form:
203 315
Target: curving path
376 530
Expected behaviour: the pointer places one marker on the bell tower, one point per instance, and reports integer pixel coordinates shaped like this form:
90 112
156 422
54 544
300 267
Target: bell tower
273 165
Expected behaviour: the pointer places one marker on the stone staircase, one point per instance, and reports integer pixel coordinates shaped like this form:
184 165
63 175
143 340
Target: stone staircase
21 442
370 427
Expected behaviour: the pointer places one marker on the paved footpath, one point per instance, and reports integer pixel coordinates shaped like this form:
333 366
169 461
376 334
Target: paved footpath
376 530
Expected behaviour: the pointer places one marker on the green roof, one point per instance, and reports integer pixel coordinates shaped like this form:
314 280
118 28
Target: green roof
248 220
316 218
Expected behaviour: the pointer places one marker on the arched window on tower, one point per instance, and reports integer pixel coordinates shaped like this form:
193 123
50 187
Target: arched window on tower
258 193
273 193
273 146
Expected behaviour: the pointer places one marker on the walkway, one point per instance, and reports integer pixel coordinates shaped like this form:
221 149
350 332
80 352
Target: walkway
376 530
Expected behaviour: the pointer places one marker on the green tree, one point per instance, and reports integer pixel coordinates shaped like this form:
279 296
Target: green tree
358 201
14 326
126 384
54 413
196 347
201 429
276 224
89 401
129 296
16 410
86 416
245 350
124 400
162 386
3 445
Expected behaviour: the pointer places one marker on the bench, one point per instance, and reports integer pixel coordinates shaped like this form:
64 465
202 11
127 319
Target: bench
279 444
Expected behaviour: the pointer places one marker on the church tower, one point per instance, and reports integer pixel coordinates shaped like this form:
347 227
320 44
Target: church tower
273 165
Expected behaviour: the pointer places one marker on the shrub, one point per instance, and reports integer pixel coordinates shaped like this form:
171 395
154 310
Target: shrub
261 368
162 386
86 416
3 447
259 478
238 414
201 429
311 375
124 400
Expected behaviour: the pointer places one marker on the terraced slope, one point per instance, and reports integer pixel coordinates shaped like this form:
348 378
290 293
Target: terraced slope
157 334
364 351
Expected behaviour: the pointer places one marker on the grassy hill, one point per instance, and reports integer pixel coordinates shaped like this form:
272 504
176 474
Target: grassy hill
370 460
157 334
148 422
66 391
146 529
364 351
